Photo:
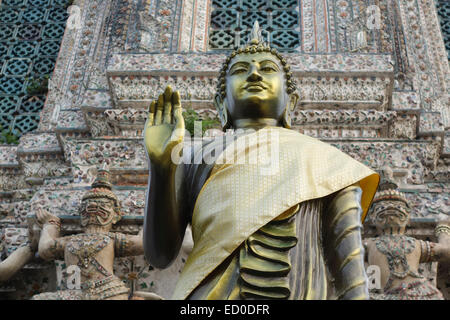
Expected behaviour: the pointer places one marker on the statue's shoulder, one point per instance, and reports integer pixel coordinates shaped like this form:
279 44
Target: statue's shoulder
296 137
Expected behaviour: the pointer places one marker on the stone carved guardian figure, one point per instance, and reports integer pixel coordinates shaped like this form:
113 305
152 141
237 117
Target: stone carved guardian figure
257 233
94 250
397 255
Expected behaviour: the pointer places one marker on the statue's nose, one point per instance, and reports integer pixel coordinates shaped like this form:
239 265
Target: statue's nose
254 75
92 205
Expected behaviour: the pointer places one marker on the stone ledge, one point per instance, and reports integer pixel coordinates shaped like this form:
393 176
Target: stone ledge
96 122
39 143
11 179
211 63
316 92
430 123
446 146
125 157
406 101
417 158
325 81
71 121
8 156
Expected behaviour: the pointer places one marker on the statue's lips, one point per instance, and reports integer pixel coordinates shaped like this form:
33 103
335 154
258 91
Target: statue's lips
255 87
93 211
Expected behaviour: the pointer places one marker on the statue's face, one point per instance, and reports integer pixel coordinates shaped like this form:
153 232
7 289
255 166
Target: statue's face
392 215
256 87
97 211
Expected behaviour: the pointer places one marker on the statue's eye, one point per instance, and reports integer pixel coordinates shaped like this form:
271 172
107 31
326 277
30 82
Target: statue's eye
238 71
268 69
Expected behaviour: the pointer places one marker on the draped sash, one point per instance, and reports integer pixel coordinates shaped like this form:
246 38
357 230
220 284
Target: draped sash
240 198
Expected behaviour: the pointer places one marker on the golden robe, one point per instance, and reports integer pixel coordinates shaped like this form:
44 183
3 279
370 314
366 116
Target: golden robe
238 201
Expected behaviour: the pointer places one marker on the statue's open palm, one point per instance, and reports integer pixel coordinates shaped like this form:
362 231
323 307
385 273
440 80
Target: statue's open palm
164 128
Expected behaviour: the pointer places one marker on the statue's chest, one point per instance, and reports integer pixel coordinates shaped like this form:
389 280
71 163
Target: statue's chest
85 247
396 250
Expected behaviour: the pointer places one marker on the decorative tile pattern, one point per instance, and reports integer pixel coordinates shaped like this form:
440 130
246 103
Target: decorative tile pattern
8 156
30 36
162 282
430 122
79 62
343 117
12 179
232 21
14 237
443 9
404 127
203 64
21 209
429 204
124 156
71 120
39 143
417 158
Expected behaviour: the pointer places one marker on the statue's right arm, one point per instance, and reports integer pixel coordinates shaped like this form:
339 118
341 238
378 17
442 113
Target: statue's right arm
21 256
164 222
15 262
50 246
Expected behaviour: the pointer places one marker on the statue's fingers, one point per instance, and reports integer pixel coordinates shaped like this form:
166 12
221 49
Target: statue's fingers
177 111
151 113
39 215
159 109
167 105
176 101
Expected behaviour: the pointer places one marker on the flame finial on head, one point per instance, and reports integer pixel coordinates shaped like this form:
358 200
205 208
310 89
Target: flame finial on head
255 37
388 189
102 187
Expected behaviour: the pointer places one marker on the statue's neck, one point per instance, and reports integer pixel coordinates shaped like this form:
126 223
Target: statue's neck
393 231
96 229
255 123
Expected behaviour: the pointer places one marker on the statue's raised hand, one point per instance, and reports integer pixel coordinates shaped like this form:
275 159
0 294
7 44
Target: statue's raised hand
164 128
43 217
34 233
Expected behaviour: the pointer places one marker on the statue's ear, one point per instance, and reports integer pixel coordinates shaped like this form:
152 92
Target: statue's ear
292 102
293 99
222 108
117 215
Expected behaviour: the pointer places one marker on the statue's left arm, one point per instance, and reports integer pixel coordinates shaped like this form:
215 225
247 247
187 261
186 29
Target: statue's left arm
440 251
343 245
51 246
128 245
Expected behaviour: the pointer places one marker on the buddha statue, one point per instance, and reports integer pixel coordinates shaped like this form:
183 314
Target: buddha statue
94 250
398 256
264 229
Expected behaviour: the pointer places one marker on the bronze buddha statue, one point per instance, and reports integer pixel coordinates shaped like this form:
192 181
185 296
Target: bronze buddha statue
290 233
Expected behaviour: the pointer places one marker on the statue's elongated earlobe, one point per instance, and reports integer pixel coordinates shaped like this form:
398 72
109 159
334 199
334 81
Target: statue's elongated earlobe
287 118
224 116
293 98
